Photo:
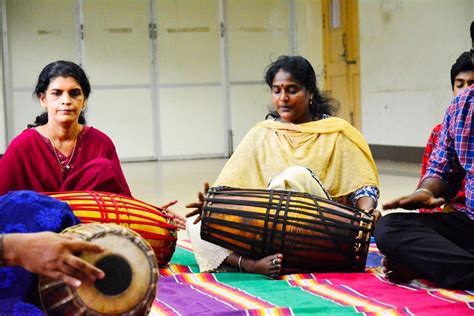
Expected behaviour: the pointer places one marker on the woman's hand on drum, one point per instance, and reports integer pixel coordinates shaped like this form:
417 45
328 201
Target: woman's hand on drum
52 255
178 219
368 204
375 213
198 205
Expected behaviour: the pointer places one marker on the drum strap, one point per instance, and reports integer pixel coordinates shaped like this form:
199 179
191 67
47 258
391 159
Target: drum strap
266 244
285 216
268 235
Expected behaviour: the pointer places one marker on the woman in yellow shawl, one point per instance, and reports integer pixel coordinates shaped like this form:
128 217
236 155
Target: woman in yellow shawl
299 147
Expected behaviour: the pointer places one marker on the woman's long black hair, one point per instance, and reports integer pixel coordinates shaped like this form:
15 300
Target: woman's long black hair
303 73
56 69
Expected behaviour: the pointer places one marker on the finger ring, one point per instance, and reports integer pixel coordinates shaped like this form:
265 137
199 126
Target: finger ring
274 262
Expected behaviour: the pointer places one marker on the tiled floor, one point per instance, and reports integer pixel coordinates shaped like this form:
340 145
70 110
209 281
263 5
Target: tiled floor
164 181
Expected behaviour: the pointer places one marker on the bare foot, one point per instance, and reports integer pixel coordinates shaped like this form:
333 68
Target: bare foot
396 272
269 266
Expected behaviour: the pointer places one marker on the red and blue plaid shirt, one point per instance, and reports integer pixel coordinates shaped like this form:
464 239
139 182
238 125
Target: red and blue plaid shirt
456 203
453 157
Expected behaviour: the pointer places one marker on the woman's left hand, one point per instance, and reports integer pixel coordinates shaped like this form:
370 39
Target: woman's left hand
376 214
179 220
368 204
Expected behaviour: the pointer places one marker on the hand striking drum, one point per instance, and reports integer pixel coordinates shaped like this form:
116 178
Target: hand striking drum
131 275
312 233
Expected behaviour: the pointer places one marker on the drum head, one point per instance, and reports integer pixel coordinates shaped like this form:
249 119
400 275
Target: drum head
131 276
123 285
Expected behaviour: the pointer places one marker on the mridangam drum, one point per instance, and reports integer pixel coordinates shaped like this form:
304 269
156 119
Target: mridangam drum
313 234
131 276
152 223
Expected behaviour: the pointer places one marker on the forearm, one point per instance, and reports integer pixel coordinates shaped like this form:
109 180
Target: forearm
437 187
366 197
11 244
365 203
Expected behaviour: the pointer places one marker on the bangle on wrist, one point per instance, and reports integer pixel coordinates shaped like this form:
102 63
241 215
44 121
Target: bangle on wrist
2 261
424 190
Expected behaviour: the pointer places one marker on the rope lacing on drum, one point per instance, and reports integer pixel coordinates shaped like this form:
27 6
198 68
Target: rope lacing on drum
265 243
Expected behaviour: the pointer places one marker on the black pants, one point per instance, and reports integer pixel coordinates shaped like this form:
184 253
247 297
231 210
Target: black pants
438 247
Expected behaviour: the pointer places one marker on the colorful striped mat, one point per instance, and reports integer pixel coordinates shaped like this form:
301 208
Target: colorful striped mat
184 291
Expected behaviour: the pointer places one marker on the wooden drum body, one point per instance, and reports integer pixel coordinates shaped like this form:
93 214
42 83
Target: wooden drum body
313 234
131 276
152 223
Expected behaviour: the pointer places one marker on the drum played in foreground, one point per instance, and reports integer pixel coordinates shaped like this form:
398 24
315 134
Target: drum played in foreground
313 234
131 276
152 223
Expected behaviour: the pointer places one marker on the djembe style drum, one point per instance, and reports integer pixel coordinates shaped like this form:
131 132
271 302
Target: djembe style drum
131 275
313 234
151 222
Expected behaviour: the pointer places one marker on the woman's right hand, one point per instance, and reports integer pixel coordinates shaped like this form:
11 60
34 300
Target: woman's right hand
52 255
179 220
198 205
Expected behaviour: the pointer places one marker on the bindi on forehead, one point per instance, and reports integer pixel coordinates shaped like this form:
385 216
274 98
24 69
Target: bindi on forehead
284 79
286 85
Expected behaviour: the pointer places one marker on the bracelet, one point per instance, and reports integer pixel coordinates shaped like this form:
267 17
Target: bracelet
239 263
2 262
424 190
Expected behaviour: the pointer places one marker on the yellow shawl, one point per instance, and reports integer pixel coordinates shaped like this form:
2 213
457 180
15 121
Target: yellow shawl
332 148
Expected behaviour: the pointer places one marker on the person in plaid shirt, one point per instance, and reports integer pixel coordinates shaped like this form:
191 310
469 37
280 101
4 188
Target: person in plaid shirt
462 76
436 246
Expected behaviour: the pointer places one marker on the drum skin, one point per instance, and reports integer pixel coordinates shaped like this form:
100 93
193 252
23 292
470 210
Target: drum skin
151 222
313 234
131 276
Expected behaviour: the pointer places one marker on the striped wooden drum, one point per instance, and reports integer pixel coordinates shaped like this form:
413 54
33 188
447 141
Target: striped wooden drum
312 233
151 222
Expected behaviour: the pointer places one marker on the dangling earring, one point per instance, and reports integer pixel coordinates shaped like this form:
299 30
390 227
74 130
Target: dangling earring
311 100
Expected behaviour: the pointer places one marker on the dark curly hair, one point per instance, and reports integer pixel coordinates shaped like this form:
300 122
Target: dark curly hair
303 73
462 64
56 69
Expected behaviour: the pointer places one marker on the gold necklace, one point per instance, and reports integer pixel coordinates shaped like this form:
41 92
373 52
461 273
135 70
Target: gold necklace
67 164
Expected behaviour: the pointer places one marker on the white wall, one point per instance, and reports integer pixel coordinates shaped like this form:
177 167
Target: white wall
309 29
251 106
407 48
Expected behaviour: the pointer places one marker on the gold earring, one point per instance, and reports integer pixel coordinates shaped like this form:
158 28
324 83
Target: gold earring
85 107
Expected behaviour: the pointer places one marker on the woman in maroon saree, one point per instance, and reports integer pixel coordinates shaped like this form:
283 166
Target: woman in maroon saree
59 152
